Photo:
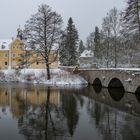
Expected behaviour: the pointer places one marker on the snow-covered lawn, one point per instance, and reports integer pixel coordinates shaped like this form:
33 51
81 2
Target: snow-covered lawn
38 76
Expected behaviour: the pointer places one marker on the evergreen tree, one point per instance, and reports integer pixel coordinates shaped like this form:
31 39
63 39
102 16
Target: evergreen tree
69 44
131 17
81 47
96 42
63 51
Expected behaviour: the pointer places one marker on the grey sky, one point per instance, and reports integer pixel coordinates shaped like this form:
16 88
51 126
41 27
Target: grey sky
85 13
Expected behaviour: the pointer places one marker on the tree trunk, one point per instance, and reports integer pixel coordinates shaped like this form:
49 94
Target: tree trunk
115 52
107 53
48 72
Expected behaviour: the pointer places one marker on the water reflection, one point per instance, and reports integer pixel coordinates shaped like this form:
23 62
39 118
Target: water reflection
39 113
97 88
116 93
137 97
137 94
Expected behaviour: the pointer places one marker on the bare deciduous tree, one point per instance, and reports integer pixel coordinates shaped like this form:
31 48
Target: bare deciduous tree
43 31
115 27
106 28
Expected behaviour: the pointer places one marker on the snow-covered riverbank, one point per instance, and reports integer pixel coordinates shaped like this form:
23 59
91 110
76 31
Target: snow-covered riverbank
38 76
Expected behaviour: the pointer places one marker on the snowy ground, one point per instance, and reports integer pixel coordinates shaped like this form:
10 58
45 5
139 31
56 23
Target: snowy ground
123 69
38 76
114 69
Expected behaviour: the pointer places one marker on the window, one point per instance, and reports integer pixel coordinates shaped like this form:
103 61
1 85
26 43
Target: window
6 55
14 55
5 63
37 63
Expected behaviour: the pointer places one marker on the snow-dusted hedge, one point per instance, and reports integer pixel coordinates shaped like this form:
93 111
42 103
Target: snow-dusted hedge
58 77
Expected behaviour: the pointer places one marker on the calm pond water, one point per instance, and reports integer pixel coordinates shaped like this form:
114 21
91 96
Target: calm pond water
30 112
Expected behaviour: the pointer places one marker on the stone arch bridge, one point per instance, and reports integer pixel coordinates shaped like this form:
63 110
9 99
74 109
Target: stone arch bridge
129 79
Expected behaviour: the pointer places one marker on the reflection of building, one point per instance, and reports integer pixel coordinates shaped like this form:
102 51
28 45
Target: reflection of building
37 97
19 99
4 98
14 53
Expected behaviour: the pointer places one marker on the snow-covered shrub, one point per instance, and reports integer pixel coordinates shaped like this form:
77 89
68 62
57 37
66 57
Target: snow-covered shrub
2 76
42 75
10 75
17 73
58 77
29 77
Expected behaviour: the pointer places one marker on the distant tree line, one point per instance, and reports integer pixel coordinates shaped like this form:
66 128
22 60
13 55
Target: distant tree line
115 44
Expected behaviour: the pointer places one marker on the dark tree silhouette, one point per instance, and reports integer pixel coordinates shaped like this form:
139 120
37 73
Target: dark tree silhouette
43 31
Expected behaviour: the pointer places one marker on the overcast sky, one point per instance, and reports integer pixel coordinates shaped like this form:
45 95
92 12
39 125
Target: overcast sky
85 13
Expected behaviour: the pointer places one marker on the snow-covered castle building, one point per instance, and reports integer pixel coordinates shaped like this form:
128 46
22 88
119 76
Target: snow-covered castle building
14 53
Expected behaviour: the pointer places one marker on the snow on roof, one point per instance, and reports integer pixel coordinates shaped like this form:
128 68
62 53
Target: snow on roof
4 44
87 53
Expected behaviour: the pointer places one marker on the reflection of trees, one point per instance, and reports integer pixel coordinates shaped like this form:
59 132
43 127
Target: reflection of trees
113 124
131 130
103 117
80 99
105 120
69 105
97 113
18 106
49 121
42 115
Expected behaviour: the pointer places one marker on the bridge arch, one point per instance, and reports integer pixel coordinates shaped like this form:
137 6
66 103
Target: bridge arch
115 83
116 89
137 94
97 82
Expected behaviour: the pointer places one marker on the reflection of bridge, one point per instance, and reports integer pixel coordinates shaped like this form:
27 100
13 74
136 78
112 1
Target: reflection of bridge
129 79
129 103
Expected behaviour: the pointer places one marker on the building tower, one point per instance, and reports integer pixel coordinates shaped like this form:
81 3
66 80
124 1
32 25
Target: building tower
19 33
